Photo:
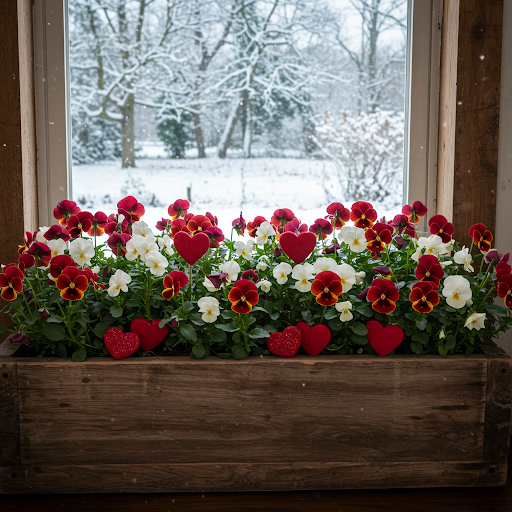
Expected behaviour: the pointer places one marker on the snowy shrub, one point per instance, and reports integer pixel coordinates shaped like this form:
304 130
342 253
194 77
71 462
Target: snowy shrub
367 150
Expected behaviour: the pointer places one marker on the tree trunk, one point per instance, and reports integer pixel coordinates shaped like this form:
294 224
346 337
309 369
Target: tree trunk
199 136
230 128
127 133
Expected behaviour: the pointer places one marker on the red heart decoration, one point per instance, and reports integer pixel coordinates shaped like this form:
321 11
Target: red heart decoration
120 344
384 339
298 248
286 343
191 248
315 339
150 334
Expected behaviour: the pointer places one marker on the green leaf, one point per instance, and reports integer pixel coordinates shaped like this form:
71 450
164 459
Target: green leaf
79 355
269 328
54 332
365 311
164 321
330 314
100 329
196 319
116 311
3 328
306 315
421 324
239 352
358 339
275 315
54 320
400 284
224 355
268 305
218 336
442 350
495 310
258 332
450 344
237 337
132 303
359 328
226 327
60 351
188 332
416 347
199 351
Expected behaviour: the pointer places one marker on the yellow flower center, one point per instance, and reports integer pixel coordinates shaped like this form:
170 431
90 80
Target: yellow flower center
117 287
423 298
326 290
441 230
71 285
427 274
283 275
356 242
382 297
377 238
456 296
82 255
305 281
363 217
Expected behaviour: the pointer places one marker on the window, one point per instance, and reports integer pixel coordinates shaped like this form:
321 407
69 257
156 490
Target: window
54 149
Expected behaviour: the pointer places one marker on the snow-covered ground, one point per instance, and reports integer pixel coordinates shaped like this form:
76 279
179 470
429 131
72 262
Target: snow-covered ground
224 187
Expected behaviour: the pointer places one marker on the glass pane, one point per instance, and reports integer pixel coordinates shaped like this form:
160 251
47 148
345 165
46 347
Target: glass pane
238 105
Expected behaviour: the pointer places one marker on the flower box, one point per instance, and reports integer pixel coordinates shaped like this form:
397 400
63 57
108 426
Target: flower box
162 424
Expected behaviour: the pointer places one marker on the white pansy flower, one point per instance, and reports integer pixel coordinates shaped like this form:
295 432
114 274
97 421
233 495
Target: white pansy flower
81 251
40 234
164 242
360 276
475 321
463 257
231 268
132 248
442 334
281 272
209 285
323 264
345 309
457 291
262 263
264 285
118 282
353 237
140 228
96 269
347 274
303 273
209 306
432 245
244 250
57 247
157 263
146 246
264 232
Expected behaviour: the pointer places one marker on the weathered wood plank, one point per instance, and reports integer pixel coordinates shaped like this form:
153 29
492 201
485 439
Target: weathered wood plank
9 416
262 410
131 478
8 349
498 403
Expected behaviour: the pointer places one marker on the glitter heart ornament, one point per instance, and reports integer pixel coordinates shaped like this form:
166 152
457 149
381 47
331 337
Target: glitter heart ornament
297 248
149 333
121 344
191 248
384 339
314 339
286 343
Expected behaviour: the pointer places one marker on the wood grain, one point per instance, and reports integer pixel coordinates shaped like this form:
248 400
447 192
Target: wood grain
113 478
9 416
336 408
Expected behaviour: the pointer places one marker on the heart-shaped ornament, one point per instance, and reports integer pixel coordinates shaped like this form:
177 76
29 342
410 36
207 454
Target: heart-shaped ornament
314 339
384 339
286 343
191 248
298 248
121 344
149 333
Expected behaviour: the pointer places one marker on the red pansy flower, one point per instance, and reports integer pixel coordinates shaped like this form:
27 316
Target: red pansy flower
93 279
429 269
11 282
173 282
117 222
378 237
79 223
239 225
338 215
383 295
41 252
212 218
98 224
505 289
251 275
441 227
64 210
164 225
218 279
117 243
178 225
363 214
57 231
59 263
130 205
424 296
321 228
27 240
332 248
216 236
254 225
481 236
327 287
502 269
243 296
198 223
72 283
281 217
178 209
415 211
494 257
26 260
402 225
295 226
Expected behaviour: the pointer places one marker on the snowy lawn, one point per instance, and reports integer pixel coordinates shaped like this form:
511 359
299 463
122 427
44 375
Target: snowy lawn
224 187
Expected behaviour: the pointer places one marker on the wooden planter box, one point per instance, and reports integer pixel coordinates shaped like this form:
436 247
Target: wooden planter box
325 422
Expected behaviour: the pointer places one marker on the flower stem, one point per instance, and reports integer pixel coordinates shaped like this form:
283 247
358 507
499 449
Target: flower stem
323 314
